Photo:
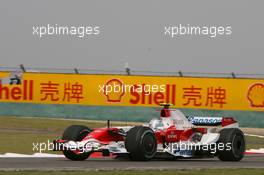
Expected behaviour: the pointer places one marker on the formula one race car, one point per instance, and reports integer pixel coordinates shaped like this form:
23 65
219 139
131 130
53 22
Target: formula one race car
172 135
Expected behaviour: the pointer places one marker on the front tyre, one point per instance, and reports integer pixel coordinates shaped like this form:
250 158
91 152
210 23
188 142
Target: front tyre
141 143
75 133
233 137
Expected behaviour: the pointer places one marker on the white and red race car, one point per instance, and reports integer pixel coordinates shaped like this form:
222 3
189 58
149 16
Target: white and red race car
172 135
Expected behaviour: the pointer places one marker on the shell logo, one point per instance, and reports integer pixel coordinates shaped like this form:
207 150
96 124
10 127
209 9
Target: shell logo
117 91
256 95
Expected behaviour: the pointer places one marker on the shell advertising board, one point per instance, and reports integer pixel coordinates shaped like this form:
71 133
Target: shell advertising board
121 90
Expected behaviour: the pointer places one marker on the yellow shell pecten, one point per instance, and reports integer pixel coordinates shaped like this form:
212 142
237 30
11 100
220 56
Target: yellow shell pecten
256 95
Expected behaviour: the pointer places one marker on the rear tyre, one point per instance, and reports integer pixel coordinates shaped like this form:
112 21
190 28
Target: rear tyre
234 138
141 143
75 133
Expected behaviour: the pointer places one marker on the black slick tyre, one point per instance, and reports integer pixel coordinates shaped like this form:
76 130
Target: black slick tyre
235 140
75 133
141 143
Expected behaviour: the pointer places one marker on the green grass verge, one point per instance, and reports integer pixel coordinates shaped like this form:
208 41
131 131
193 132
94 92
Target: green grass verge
18 134
149 172
254 142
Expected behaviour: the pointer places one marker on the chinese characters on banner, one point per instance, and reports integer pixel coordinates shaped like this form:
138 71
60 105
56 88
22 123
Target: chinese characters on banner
214 96
71 92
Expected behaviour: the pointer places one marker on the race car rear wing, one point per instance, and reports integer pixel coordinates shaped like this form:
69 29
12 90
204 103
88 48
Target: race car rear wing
211 121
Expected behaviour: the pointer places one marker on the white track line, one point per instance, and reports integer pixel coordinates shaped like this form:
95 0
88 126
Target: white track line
257 151
37 155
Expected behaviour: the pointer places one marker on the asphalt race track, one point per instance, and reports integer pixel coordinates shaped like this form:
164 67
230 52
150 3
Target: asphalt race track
250 161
